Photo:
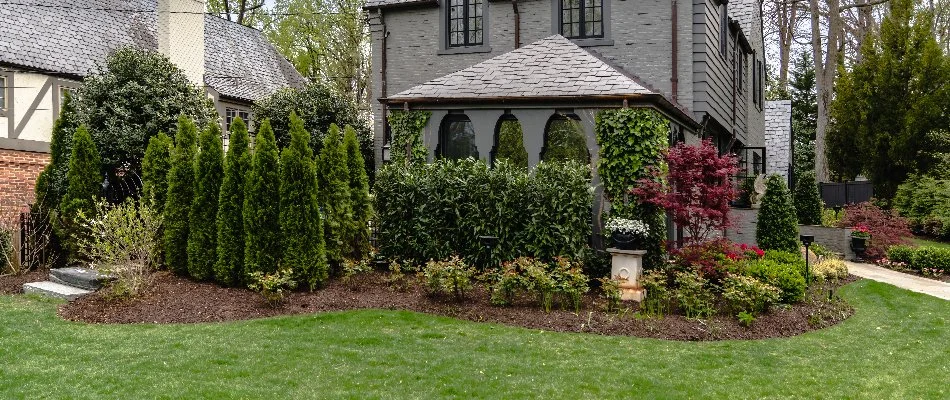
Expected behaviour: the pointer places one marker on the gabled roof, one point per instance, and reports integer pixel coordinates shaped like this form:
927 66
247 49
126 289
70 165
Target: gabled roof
74 37
550 67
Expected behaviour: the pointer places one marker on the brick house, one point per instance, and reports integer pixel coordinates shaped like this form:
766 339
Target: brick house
48 47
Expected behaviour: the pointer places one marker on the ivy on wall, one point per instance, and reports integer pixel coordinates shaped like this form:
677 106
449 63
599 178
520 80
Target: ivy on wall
632 140
406 128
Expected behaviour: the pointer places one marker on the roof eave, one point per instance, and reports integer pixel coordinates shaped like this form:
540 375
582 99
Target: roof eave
417 3
28 68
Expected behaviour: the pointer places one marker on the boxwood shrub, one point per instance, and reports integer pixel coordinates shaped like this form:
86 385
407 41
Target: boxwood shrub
931 257
788 278
432 211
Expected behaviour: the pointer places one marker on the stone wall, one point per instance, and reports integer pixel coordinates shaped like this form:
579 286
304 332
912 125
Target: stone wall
18 173
743 229
778 137
837 240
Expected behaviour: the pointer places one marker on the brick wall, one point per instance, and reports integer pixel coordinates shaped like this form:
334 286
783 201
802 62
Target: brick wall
778 137
18 173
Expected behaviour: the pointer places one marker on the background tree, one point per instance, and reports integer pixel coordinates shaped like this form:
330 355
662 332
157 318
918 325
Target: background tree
804 115
84 185
262 249
244 12
181 192
808 205
203 233
300 226
51 184
135 95
359 195
565 141
695 190
155 167
229 268
777 226
511 144
334 196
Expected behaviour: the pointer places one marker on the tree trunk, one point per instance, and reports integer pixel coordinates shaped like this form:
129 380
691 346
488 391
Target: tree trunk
825 68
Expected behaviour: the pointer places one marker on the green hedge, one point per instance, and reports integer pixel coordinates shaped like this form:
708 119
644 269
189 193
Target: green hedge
434 211
918 258
788 278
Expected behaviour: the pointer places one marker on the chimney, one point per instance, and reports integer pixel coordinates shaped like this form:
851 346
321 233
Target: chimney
181 36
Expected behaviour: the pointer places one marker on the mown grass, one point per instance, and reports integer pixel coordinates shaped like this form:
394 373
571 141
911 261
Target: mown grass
930 243
897 345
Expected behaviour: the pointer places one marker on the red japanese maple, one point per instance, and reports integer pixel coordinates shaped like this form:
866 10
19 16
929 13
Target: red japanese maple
695 191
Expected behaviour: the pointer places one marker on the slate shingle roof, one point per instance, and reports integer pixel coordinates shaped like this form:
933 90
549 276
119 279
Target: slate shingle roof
550 67
744 12
74 37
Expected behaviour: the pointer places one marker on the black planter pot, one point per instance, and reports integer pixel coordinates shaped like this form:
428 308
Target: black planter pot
859 245
624 241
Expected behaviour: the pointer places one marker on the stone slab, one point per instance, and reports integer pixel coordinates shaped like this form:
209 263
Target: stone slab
53 289
83 278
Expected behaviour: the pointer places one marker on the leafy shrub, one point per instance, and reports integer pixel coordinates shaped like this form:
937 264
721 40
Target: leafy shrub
509 280
123 243
570 283
657 300
831 219
564 279
712 259
541 283
830 269
353 268
273 286
565 141
748 294
693 295
785 257
777 226
925 200
887 228
931 258
901 253
448 276
787 277
808 205
435 210
745 319
611 289
397 276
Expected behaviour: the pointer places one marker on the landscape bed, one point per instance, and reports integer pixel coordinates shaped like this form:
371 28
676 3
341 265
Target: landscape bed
172 299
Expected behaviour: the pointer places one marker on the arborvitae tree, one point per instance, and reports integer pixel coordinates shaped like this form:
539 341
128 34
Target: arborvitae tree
155 167
203 233
359 194
808 204
777 227
262 247
229 268
51 184
334 196
84 185
300 226
511 144
804 113
181 192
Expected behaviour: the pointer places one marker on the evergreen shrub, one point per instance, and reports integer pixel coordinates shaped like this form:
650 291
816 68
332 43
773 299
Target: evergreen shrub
203 232
777 226
229 267
808 205
84 184
262 247
181 192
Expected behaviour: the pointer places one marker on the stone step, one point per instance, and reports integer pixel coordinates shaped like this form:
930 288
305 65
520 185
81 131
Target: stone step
83 278
53 289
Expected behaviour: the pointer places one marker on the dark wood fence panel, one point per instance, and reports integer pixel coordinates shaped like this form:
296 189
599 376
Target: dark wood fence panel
844 193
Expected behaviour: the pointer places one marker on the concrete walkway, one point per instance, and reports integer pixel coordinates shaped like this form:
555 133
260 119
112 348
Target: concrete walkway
904 281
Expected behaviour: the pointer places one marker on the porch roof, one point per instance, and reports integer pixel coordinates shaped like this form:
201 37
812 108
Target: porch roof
552 69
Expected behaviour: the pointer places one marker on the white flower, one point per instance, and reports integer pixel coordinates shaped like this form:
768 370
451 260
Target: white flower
627 226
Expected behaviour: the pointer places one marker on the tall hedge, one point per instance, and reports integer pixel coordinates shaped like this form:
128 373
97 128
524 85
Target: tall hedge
777 226
203 233
433 211
808 205
300 226
511 144
334 196
359 195
155 167
181 192
262 205
51 184
84 185
229 267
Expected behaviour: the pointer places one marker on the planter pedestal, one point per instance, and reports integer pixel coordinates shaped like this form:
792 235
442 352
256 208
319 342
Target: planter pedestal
626 266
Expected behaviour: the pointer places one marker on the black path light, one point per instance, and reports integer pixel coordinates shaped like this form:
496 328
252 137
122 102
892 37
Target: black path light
489 243
807 240
387 153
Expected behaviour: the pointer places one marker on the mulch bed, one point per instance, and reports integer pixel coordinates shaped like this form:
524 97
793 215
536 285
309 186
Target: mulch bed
13 284
172 299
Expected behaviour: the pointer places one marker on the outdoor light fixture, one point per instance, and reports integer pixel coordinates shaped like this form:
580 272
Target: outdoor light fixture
489 243
387 155
807 240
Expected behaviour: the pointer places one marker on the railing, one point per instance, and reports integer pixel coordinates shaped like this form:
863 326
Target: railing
751 165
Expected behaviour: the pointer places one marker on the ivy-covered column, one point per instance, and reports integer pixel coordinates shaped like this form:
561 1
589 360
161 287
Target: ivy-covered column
631 140
407 144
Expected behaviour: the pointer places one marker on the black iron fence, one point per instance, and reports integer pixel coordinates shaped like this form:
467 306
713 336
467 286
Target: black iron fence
844 193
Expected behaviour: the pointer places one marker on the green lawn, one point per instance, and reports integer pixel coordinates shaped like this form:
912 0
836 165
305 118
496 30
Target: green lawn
930 243
897 345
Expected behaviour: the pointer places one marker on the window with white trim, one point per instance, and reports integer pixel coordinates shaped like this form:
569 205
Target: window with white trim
231 113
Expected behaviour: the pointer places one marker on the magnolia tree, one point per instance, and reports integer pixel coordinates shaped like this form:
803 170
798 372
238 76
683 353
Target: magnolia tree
695 190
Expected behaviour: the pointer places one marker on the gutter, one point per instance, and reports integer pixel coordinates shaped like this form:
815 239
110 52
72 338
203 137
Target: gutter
382 72
514 6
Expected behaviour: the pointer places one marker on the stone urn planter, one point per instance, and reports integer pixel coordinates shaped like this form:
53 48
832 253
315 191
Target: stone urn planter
859 245
626 266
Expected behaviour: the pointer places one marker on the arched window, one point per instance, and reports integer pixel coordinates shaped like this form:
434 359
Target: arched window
457 137
509 142
564 140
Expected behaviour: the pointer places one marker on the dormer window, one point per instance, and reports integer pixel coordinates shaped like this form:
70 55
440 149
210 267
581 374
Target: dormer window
465 23
582 19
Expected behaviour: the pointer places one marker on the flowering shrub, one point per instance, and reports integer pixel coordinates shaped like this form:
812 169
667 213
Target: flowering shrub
713 258
751 251
123 243
273 287
564 280
571 283
894 265
695 190
886 228
448 276
627 226
748 294
861 231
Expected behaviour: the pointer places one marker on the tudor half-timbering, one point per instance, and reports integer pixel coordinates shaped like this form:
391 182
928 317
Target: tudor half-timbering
48 47
473 63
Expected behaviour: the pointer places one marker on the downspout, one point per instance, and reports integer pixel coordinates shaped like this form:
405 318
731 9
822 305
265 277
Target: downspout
735 81
674 79
382 79
514 6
